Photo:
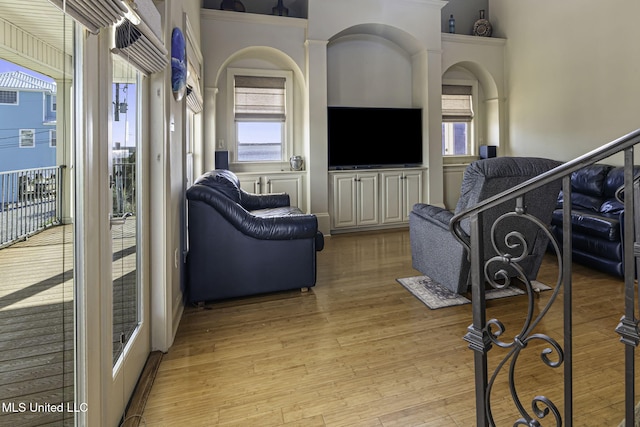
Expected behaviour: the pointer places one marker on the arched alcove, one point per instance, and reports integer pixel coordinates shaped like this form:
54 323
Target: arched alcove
372 65
269 59
487 103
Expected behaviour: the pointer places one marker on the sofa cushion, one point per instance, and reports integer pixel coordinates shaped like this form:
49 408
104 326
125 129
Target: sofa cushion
612 206
615 180
590 223
582 201
277 212
590 180
601 248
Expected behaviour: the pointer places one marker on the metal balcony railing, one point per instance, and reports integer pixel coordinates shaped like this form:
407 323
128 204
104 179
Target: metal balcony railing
29 202
482 335
31 199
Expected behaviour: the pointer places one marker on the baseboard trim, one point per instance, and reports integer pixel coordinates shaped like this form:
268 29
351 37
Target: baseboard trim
133 414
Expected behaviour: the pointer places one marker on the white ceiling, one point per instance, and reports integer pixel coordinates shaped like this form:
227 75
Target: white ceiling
38 19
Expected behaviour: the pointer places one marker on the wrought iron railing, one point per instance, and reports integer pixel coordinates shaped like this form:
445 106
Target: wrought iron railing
483 334
29 202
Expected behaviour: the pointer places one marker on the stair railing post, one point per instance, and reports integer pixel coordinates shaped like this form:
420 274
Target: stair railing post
476 333
628 326
567 236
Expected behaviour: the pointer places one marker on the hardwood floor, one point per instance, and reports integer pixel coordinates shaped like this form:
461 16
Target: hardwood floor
359 350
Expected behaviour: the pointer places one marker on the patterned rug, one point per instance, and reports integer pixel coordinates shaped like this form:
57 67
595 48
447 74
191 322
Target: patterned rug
435 296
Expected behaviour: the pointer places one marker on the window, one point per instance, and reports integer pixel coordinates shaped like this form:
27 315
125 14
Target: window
260 115
54 103
457 120
52 138
27 138
9 97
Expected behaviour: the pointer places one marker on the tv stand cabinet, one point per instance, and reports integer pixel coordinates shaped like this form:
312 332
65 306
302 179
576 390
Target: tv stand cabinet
373 199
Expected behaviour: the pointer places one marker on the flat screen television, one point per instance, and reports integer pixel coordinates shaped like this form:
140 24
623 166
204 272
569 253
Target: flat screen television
366 137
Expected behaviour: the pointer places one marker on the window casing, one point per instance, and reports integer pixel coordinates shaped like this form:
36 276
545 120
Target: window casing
260 115
457 120
27 138
9 97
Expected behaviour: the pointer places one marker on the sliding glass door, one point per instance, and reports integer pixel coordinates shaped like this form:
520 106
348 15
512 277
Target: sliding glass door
130 343
37 236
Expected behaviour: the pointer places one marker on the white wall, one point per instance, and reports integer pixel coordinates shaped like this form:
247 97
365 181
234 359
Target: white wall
167 200
367 45
368 70
232 39
573 74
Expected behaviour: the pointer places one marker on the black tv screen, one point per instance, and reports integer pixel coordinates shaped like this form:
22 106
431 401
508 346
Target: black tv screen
365 137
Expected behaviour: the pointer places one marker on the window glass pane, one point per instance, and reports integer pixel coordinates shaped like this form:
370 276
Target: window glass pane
455 139
460 139
26 138
8 97
259 141
37 230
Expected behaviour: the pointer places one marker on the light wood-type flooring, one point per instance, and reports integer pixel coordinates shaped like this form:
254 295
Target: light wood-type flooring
359 350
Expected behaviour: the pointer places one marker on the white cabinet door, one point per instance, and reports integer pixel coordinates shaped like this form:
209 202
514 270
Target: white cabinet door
276 183
290 184
250 183
367 190
344 200
412 186
392 197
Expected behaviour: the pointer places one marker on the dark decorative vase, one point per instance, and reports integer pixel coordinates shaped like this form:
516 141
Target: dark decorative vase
279 9
482 27
234 5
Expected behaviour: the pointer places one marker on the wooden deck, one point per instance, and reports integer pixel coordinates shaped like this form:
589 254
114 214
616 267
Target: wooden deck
36 328
36 322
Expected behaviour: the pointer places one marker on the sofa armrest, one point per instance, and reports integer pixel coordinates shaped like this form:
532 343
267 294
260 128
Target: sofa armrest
433 214
288 227
254 202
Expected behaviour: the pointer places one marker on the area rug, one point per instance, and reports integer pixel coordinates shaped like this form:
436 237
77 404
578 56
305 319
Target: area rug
435 296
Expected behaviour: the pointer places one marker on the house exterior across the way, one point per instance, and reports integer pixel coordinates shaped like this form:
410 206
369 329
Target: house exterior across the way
27 122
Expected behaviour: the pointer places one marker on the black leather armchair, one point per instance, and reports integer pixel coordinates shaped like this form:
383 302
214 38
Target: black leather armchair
244 244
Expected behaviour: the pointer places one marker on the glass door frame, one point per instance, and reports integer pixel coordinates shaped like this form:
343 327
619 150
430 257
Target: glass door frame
103 390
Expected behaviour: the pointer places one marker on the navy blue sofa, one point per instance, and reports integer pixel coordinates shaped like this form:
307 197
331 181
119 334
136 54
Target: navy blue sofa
245 244
596 218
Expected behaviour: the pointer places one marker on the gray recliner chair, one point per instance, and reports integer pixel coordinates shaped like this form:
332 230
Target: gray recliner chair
439 255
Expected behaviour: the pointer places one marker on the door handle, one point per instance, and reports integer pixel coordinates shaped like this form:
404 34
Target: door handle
119 220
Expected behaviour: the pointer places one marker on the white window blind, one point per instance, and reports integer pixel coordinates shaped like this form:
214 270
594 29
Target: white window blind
143 50
138 37
456 103
93 14
259 98
194 95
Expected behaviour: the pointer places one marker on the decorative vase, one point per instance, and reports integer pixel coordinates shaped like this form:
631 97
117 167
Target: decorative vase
234 5
482 27
296 163
279 9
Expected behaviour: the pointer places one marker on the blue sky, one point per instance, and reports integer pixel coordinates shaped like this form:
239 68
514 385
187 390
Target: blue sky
6 66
